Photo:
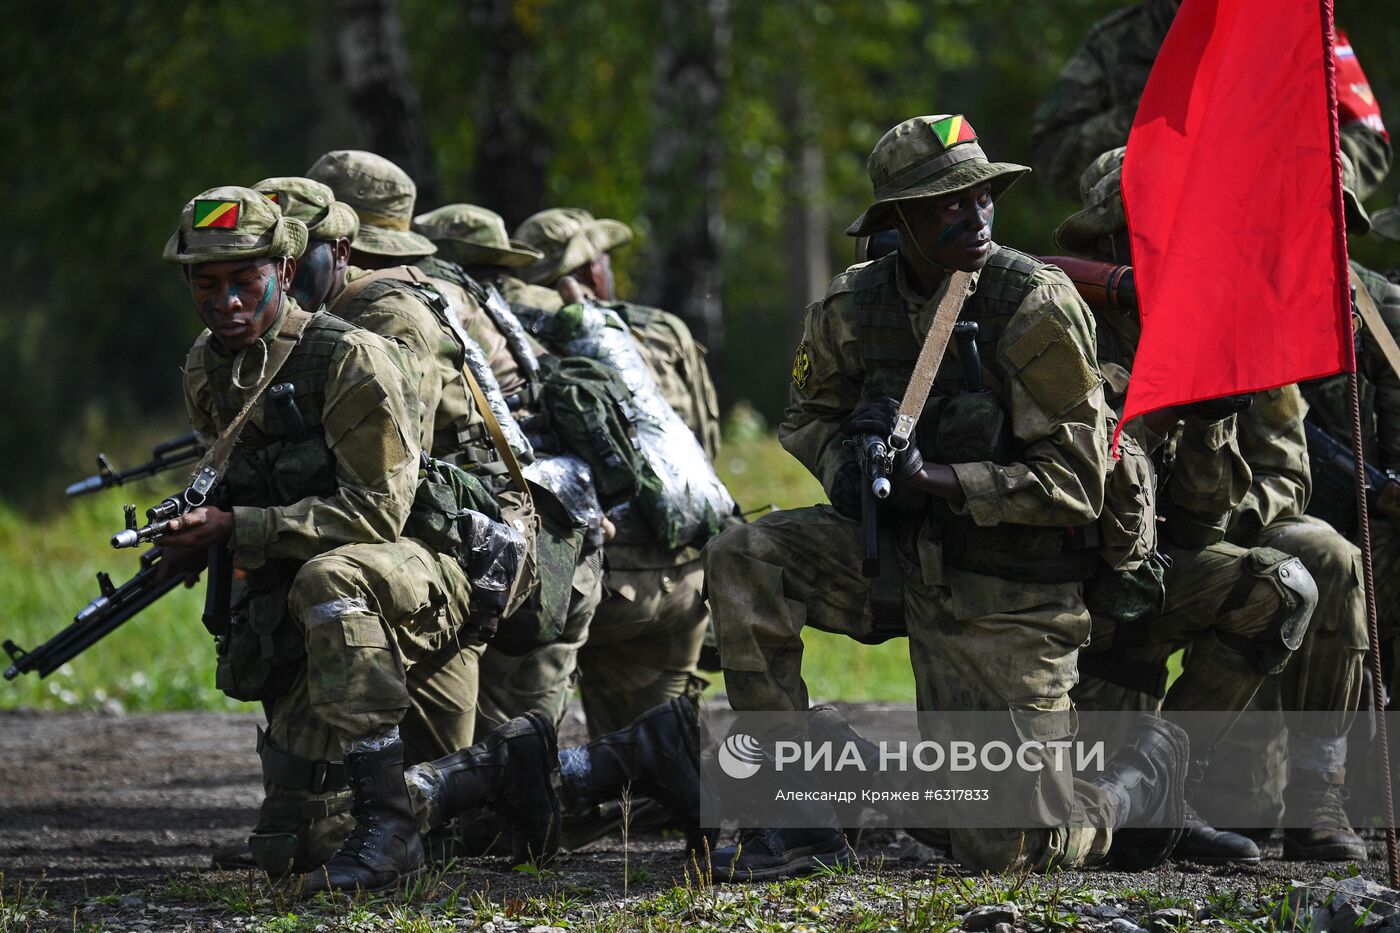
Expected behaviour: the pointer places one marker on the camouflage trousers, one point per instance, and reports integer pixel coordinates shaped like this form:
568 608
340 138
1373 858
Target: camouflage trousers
644 645
975 643
383 649
1325 674
1219 600
542 678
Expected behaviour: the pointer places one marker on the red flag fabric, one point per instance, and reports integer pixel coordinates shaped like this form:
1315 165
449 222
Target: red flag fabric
1232 189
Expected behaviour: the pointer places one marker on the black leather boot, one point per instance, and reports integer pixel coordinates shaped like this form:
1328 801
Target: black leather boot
1203 843
657 756
511 771
383 847
1146 780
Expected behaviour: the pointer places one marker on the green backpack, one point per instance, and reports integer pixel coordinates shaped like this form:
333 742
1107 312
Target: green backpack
590 410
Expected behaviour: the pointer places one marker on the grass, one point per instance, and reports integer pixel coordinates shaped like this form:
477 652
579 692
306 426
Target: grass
164 660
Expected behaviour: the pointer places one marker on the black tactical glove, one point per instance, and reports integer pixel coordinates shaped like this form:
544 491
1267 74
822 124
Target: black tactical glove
1217 409
873 417
847 488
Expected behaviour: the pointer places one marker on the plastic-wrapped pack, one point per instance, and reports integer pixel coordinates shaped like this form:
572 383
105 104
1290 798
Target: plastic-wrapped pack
491 388
571 482
692 502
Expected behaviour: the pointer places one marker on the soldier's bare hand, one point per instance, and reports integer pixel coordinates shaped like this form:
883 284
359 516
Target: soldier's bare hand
571 291
198 528
181 562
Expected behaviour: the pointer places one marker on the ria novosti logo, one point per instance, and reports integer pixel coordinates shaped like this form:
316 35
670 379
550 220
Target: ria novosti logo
740 756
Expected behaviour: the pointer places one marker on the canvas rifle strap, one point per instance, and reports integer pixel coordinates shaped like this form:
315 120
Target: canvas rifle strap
1371 317
930 358
210 468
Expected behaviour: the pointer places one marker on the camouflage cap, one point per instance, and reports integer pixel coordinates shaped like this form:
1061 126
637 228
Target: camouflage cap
229 223
381 194
313 204
1386 223
926 157
568 237
474 236
1100 188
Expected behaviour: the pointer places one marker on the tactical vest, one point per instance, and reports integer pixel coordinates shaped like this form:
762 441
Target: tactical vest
889 348
259 655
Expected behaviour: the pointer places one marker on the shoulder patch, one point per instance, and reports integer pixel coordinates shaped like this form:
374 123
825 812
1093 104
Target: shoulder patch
801 366
1045 358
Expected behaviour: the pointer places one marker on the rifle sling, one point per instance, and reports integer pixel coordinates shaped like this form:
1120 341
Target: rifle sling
211 466
930 357
1371 316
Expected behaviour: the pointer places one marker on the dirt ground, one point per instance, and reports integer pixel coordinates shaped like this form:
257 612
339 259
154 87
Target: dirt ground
97 806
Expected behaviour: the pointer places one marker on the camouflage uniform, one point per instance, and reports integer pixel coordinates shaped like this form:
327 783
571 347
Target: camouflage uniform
977 640
1325 672
1090 109
318 523
646 636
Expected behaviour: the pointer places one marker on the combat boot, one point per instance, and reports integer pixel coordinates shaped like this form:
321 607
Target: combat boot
762 854
1203 843
1316 800
657 756
512 771
384 846
1146 782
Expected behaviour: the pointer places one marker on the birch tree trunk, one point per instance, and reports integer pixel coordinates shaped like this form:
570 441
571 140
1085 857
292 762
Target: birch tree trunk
682 198
378 82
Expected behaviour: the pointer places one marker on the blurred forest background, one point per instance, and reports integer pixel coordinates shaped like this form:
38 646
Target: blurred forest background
731 135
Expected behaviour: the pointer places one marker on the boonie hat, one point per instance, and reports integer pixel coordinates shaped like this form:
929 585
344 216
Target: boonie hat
228 223
1101 190
474 236
381 194
314 204
925 157
568 237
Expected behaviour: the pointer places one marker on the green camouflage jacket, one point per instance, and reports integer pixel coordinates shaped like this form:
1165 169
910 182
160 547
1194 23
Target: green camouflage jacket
1379 384
371 428
1090 109
1064 436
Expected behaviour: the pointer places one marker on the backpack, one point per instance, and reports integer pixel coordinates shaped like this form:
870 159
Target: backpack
590 409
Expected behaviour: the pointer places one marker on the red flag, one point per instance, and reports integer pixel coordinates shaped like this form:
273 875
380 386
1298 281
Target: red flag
1232 188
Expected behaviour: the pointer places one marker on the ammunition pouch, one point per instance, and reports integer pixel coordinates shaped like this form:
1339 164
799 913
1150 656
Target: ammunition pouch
1027 553
1128 597
559 546
972 428
263 649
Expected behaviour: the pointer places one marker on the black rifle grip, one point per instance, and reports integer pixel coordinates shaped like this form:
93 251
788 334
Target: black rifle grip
283 397
965 332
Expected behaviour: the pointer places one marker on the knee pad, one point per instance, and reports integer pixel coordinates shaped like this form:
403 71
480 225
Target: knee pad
1268 651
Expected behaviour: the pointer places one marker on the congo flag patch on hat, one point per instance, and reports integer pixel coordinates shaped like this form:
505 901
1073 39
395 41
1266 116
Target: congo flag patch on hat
215 214
953 130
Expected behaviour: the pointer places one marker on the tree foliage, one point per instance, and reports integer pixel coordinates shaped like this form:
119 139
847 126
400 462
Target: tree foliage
119 113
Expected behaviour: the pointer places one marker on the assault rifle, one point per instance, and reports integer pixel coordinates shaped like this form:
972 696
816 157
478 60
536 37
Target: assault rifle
164 456
1382 486
96 620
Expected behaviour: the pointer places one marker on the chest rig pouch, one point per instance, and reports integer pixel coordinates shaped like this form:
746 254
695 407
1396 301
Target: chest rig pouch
281 458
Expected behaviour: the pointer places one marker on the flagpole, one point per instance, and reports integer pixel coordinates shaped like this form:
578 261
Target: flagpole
1363 516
